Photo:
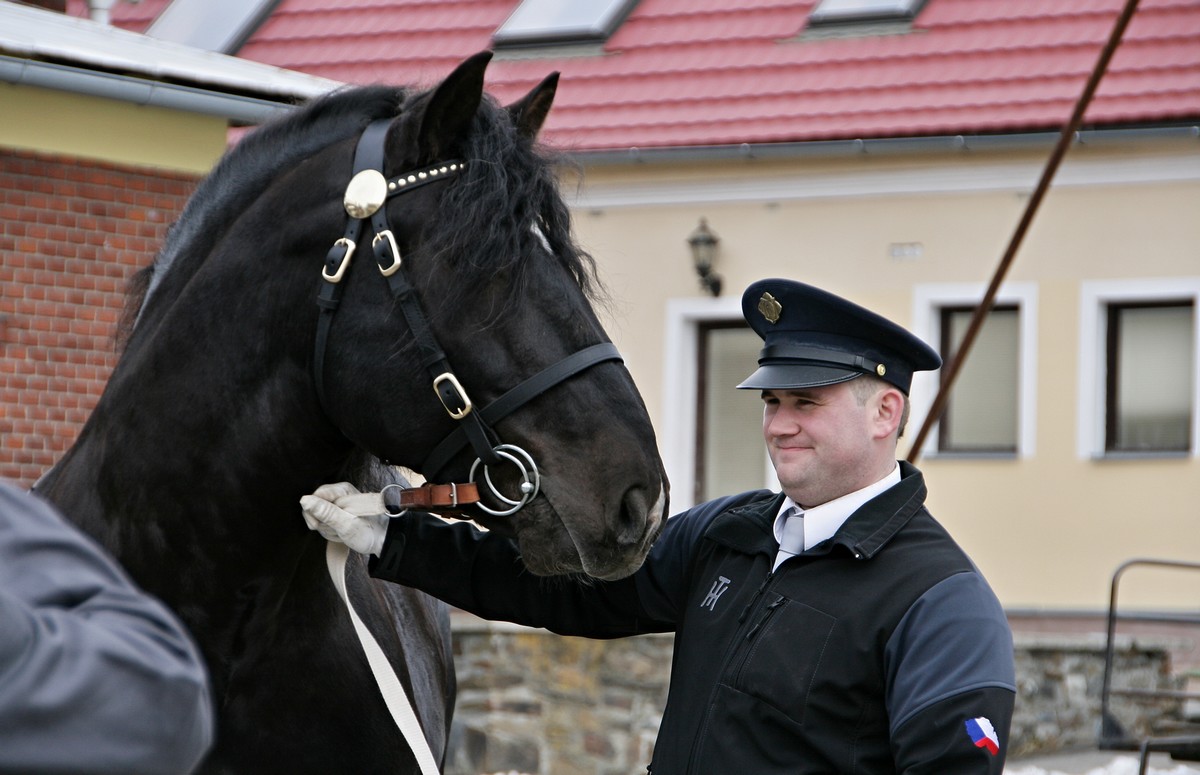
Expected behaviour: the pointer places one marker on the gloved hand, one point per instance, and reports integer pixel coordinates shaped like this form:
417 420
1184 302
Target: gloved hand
339 512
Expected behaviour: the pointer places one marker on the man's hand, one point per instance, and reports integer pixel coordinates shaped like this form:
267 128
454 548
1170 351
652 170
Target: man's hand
339 512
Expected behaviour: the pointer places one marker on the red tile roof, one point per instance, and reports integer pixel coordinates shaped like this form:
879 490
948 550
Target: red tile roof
721 72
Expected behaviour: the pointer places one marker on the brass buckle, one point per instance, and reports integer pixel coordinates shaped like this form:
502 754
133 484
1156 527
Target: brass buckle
336 277
467 406
391 238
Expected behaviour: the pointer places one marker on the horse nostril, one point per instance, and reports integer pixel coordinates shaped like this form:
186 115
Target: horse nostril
640 515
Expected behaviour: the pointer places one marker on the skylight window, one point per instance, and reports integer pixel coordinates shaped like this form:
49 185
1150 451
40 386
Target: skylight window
213 25
536 22
852 11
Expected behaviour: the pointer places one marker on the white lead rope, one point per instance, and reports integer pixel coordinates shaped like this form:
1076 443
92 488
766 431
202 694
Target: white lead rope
389 685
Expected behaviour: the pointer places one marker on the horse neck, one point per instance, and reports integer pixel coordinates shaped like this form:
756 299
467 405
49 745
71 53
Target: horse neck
190 468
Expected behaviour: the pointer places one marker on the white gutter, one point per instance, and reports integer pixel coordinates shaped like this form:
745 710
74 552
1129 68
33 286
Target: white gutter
883 146
236 108
961 173
47 49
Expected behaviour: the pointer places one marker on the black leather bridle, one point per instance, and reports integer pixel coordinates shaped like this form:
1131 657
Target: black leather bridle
365 200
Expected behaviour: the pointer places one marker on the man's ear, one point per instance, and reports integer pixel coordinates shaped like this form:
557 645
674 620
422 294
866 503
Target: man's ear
889 411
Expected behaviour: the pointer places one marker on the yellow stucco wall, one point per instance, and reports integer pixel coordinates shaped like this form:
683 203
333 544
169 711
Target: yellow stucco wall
51 121
1047 529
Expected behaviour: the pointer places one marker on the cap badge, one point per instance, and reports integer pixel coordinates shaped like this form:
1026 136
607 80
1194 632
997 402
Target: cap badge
770 308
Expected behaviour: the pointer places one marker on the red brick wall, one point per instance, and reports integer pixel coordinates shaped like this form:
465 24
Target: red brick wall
72 233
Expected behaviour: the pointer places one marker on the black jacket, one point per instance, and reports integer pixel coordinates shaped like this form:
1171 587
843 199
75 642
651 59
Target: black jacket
880 650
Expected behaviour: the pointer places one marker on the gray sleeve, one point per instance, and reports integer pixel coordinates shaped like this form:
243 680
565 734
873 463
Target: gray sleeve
95 675
954 639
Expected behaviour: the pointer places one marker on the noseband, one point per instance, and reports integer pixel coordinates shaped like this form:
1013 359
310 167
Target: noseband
366 195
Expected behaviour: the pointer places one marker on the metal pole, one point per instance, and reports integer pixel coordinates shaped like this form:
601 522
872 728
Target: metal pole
954 366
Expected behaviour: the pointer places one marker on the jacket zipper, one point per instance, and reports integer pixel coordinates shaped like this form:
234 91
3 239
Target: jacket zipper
743 633
754 598
778 601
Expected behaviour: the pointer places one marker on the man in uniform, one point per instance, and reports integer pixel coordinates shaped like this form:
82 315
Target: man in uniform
833 627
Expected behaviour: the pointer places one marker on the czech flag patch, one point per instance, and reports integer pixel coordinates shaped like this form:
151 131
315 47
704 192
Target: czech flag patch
983 734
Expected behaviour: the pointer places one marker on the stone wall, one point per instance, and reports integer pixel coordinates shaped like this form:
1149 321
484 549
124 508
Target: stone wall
1059 686
531 702
534 702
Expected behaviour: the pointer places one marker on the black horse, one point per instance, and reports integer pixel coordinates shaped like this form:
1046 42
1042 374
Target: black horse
221 413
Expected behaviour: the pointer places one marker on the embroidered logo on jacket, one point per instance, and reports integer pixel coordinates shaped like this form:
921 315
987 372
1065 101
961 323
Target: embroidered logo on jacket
718 588
983 734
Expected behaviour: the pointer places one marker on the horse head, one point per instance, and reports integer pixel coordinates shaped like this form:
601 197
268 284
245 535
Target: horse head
484 267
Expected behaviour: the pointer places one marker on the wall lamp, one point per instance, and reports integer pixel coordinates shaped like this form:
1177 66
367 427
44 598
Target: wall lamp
704 243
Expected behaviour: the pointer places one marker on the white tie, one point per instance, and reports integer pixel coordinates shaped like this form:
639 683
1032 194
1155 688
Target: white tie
792 542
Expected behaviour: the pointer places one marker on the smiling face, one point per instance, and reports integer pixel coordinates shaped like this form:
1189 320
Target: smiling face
826 442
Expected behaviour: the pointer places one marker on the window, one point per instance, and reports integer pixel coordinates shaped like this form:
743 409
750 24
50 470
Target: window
562 21
847 11
1150 362
992 407
1138 387
711 437
981 414
729 442
213 25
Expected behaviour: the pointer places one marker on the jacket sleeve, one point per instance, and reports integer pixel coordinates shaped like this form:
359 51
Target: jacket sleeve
951 681
95 676
481 572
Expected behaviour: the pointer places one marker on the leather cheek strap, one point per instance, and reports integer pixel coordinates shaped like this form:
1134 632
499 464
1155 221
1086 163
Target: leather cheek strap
449 498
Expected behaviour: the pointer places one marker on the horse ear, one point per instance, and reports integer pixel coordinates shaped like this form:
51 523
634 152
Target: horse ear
529 112
453 104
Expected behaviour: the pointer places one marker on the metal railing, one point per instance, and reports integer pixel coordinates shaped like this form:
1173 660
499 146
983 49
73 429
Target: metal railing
1113 735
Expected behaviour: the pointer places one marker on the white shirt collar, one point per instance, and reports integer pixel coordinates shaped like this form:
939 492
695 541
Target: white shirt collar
821 522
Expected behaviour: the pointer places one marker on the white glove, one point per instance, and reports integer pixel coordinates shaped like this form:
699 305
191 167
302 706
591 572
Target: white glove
339 512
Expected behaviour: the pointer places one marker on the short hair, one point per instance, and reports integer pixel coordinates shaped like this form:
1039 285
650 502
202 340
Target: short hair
868 385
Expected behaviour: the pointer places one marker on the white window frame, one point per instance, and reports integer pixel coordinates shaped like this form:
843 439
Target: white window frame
680 376
845 11
1094 299
534 22
221 26
928 301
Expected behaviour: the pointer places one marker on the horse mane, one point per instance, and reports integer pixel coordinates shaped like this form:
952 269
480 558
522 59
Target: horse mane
244 172
508 180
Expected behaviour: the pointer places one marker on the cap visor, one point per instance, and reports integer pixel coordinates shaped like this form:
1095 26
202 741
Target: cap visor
787 376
